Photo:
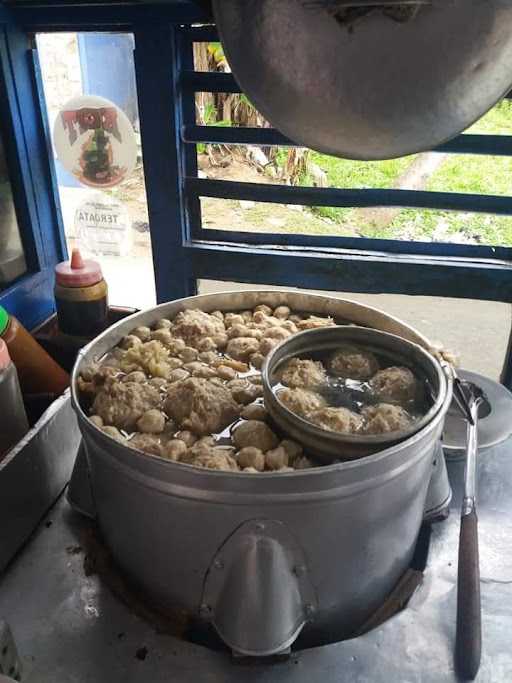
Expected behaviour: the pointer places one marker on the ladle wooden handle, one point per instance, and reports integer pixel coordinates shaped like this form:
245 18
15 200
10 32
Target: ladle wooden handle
468 645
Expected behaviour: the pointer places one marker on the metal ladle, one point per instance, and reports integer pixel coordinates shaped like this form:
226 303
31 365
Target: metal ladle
468 641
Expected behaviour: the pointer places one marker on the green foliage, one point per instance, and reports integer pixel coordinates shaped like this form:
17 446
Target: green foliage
476 174
217 52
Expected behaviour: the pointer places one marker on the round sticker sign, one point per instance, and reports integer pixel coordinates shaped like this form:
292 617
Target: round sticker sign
103 226
95 141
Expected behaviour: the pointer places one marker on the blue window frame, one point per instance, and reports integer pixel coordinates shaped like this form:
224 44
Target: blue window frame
183 251
31 296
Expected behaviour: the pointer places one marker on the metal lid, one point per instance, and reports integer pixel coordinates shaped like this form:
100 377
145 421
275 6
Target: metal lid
4 319
493 427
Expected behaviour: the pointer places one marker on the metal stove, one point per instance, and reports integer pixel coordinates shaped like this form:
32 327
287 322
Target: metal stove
68 626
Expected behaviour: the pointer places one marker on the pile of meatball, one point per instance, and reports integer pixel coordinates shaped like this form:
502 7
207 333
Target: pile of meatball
190 389
391 390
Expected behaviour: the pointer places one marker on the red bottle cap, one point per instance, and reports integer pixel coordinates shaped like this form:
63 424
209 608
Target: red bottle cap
77 272
5 359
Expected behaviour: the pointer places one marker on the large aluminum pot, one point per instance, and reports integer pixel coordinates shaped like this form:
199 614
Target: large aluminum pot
262 556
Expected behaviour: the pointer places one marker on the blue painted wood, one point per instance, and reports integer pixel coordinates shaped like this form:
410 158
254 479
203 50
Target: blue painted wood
357 244
107 16
157 85
497 145
186 115
50 167
210 81
203 34
320 196
31 298
342 272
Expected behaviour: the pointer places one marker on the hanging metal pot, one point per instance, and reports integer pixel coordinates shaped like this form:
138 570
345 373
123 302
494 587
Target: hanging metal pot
369 80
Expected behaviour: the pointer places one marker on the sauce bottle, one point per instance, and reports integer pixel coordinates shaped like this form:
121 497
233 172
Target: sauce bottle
81 296
13 419
38 373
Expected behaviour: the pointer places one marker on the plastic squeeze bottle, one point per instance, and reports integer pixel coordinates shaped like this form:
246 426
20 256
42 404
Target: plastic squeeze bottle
81 296
38 373
13 419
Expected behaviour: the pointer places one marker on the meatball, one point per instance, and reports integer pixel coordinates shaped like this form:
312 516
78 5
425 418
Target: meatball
282 312
208 357
233 319
122 403
278 333
163 324
293 449
385 417
151 422
135 376
193 325
187 437
303 373
353 363
206 344
188 354
158 382
238 330
174 449
303 463
395 384
130 341
201 405
114 433
142 332
267 345
251 457
163 335
225 372
211 457
241 348
256 434
255 411
220 340
276 459
149 443
244 391
336 420
178 374
301 401
263 308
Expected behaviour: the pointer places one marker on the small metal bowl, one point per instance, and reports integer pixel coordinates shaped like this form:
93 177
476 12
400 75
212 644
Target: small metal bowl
328 445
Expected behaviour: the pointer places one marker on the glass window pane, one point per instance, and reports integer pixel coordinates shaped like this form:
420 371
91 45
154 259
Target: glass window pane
12 257
109 224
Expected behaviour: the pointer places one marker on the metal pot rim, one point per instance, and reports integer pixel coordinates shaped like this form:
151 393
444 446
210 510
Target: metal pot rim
263 295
